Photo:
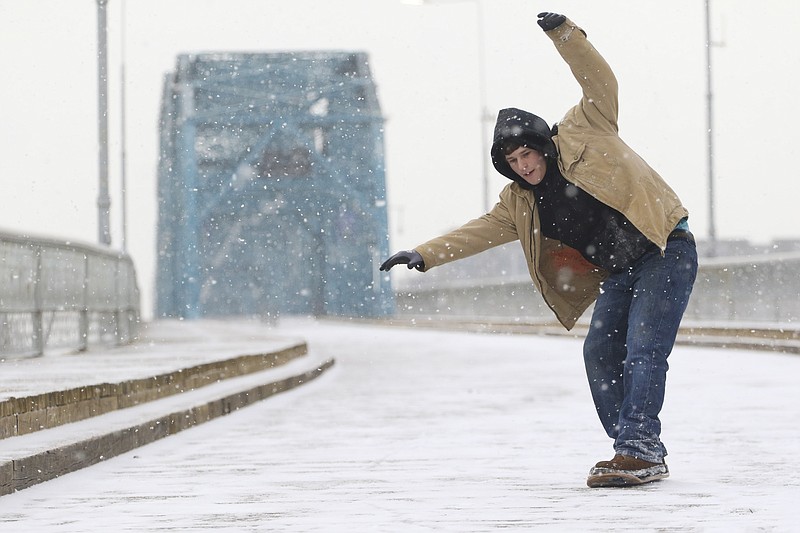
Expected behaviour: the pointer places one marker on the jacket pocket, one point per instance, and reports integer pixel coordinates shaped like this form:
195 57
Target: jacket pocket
571 156
595 166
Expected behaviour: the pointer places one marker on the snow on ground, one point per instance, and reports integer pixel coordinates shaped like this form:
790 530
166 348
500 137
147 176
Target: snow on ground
421 430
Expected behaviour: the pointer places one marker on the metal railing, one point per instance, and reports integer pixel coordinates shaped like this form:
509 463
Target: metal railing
62 296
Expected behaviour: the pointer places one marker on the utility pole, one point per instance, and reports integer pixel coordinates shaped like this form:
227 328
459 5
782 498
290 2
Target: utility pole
103 199
124 155
712 226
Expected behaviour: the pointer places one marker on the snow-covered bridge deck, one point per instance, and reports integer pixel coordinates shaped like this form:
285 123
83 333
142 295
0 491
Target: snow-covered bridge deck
425 430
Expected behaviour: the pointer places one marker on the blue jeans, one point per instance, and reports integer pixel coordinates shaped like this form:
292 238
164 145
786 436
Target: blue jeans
632 332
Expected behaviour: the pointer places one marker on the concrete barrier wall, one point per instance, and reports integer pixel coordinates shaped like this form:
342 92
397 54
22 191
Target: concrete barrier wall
763 289
759 289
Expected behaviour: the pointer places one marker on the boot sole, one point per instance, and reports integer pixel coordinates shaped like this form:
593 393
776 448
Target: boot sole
620 479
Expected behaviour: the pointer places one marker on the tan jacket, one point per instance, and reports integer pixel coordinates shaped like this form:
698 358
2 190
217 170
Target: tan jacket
593 157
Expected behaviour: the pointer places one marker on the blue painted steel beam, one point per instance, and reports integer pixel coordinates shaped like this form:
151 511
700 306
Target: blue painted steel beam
271 187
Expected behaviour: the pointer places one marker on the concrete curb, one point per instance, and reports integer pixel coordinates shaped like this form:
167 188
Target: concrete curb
27 471
765 338
21 416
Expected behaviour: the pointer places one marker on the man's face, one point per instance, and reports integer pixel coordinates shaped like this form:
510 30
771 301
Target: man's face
528 164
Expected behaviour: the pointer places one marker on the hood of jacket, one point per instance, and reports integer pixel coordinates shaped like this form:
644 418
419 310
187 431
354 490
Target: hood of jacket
525 129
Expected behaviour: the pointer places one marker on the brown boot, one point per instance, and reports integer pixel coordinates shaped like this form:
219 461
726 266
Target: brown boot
624 471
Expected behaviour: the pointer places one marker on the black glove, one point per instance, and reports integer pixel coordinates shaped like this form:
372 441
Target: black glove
409 257
549 21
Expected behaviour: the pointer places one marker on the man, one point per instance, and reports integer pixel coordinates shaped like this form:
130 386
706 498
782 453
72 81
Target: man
590 213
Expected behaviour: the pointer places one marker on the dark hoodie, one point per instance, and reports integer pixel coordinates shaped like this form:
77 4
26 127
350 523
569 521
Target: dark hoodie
566 213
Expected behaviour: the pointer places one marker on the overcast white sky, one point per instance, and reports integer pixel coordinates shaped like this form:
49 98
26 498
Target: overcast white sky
424 61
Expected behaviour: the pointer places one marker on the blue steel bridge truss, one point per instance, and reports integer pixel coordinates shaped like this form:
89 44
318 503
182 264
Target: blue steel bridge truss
271 187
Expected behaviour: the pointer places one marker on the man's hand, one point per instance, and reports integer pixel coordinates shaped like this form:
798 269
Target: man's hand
406 257
549 21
